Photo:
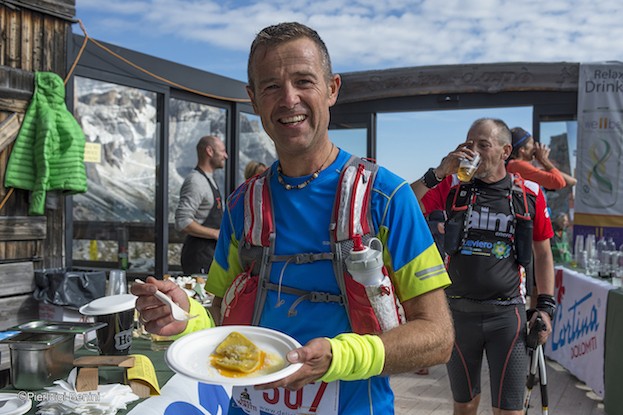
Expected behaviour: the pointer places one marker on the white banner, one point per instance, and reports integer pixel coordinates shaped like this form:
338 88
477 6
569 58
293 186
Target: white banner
578 334
184 396
600 139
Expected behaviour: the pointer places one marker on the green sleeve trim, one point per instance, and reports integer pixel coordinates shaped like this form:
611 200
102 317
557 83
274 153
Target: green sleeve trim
203 320
355 357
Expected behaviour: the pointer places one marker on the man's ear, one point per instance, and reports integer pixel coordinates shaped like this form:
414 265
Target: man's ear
209 151
334 88
508 149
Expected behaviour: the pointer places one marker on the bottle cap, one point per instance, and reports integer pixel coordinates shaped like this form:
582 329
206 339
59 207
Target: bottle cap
358 243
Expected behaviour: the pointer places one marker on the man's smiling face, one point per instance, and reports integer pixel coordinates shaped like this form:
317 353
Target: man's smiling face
292 94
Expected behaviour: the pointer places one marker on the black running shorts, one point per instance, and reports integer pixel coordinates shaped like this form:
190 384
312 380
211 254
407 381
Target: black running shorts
500 331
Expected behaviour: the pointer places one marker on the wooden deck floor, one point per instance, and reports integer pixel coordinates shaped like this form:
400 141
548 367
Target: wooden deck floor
430 394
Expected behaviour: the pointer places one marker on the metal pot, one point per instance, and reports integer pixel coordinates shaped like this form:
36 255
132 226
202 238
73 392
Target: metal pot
38 359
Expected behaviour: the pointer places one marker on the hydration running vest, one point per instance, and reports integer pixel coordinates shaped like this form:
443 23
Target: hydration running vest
460 212
244 300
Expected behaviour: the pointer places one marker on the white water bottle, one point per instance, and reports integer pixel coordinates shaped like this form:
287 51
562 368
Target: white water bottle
365 263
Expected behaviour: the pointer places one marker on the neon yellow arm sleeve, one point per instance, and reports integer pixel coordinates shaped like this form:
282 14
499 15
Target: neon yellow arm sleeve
203 321
355 357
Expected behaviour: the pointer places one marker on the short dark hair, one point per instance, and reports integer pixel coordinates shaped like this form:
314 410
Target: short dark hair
501 130
285 32
205 141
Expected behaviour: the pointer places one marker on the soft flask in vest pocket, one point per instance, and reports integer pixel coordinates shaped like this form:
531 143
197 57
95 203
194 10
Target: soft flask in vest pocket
523 241
239 300
453 236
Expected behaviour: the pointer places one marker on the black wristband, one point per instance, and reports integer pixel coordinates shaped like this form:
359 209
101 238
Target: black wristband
547 304
430 179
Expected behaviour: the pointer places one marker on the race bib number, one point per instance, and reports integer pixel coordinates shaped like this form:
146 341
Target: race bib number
315 398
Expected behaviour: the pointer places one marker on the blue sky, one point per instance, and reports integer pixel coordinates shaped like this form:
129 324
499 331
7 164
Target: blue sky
364 34
372 34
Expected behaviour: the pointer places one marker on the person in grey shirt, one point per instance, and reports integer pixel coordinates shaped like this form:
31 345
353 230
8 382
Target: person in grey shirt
200 209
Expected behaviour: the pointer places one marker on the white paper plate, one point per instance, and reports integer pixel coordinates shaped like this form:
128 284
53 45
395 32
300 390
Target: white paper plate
13 404
109 305
190 355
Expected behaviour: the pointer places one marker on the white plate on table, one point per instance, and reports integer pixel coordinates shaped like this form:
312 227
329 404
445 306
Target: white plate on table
190 355
13 404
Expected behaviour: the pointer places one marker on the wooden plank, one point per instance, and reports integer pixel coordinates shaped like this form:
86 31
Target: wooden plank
26 41
87 379
92 361
17 278
16 83
21 251
4 11
9 129
13 41
23 228
48 44
456 79
37 39
17 309
59 49
65 9
13 105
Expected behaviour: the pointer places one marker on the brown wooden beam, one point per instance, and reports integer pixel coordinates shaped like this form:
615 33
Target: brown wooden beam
456 79
22 228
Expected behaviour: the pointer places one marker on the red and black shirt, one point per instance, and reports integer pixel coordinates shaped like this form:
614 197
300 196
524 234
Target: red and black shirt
485 268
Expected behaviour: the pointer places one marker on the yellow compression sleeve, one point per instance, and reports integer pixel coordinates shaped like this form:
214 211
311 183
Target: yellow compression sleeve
355 357
203 321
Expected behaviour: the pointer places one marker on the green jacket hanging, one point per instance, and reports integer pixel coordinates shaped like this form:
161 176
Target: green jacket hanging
49 150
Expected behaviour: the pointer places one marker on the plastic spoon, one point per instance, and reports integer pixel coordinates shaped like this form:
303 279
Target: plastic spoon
177 312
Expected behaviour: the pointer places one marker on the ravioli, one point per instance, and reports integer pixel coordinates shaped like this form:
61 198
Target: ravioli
237 355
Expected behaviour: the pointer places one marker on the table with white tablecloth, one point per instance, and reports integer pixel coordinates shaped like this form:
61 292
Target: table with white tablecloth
578 334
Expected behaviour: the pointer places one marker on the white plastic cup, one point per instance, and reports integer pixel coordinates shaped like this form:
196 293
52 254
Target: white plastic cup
117 283
467 168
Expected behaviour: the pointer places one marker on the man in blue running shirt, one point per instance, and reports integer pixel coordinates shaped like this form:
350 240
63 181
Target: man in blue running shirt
292 87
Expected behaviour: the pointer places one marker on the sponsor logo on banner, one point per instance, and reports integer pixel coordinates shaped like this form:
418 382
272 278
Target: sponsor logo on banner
576 323
578 335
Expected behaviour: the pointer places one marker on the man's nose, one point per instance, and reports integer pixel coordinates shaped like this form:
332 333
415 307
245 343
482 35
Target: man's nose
289 96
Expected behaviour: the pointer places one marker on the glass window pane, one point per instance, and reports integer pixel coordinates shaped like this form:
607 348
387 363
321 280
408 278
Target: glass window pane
255 144
120 127
188 122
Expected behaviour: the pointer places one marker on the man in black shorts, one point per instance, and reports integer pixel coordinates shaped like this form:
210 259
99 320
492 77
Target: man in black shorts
495 223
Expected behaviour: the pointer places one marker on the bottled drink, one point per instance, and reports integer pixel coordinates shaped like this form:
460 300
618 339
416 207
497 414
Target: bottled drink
577 250
611 245
123 258
365 264
590 246
600 247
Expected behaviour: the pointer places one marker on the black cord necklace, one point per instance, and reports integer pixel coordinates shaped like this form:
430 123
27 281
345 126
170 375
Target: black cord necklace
306 182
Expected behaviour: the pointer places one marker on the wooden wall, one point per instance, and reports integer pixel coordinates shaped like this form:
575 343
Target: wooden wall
33 37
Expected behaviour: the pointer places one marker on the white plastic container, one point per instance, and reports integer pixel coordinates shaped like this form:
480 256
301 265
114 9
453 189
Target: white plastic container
365 263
